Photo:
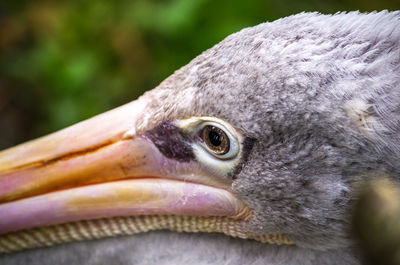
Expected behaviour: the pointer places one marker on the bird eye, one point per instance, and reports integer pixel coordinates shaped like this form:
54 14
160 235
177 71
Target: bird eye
216 143
218 140
215 139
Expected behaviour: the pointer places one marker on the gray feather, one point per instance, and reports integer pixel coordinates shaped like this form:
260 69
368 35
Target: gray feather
179 249
300 86
320 94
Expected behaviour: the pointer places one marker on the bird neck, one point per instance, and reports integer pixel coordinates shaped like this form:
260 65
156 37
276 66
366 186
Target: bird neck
165 247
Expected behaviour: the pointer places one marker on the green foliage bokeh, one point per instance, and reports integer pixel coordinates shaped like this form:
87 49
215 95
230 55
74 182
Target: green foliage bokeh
65 61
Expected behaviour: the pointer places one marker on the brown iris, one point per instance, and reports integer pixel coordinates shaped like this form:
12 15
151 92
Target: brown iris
215 139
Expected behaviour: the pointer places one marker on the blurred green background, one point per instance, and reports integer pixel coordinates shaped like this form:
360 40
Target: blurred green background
65 61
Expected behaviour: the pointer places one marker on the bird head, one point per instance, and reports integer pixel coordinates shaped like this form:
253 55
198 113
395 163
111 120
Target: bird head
271 128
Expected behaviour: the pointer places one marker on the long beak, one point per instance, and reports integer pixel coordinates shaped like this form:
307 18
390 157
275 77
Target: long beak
100 169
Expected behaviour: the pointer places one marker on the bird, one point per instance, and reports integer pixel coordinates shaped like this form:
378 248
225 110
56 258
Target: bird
265 137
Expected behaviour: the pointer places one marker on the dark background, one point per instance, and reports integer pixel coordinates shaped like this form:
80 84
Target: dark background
65 61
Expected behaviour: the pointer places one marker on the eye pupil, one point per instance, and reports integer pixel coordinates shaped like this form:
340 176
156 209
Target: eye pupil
216 139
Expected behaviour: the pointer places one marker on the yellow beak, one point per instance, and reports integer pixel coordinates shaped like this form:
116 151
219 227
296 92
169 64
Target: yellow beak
100 169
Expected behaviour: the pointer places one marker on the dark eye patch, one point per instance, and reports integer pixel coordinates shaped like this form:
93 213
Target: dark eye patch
175 144
172 142
248 144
